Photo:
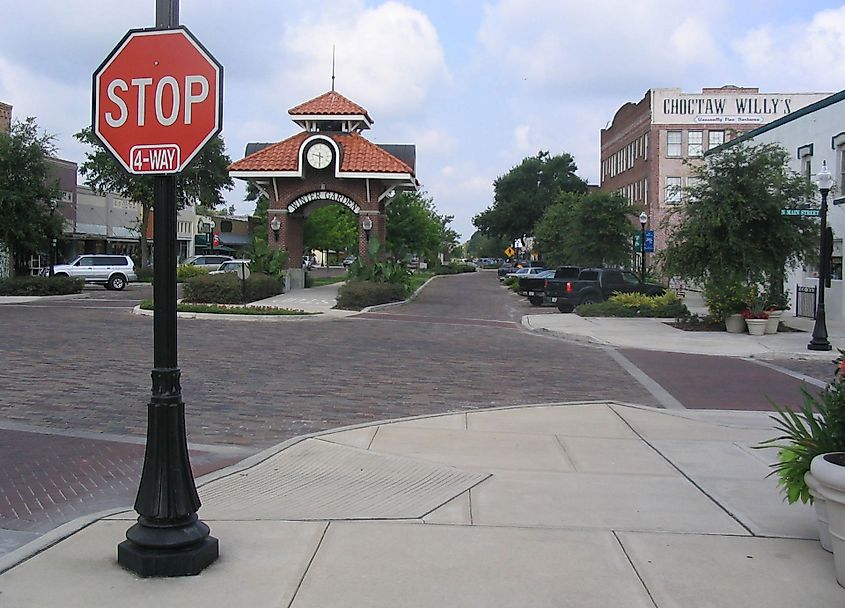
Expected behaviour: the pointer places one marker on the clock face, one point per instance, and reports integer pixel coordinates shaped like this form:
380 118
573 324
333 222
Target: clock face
319 156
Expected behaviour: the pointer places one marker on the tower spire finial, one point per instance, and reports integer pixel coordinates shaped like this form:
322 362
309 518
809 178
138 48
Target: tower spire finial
332 67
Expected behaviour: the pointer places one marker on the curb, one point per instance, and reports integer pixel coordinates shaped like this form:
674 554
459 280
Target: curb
68 529
314 316
410 298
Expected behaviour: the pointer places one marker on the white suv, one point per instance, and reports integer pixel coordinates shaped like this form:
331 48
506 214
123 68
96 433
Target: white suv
110 271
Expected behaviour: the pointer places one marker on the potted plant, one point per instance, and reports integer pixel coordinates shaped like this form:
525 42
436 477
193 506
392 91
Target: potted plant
775 305
817 428
726 299
755 315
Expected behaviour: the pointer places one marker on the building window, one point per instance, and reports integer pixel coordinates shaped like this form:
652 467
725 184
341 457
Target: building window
692 183
673 143
841 183
715 138
695 143
673 190
226 226
836 260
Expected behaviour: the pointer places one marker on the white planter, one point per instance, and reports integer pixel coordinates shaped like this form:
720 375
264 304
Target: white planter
756 327
773 321
820 505
829 471
735 324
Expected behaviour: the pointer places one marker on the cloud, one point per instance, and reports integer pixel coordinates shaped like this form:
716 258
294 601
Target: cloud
387 57
795 57
600 46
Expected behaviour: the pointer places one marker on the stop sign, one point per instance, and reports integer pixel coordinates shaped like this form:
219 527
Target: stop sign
158 99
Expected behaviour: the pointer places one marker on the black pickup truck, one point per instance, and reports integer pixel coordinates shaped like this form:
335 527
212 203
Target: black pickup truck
534 288
596 285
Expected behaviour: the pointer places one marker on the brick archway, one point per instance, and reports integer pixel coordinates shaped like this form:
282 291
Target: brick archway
328 162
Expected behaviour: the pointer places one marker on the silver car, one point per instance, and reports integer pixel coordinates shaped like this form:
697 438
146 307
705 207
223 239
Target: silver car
110 271
209 262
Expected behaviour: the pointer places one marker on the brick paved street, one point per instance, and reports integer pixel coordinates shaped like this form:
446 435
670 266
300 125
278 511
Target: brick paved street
74 388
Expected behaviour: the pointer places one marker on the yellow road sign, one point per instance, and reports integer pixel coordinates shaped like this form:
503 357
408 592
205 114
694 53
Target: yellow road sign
509 252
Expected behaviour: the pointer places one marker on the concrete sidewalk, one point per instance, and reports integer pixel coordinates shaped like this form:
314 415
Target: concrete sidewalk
657 334
589 505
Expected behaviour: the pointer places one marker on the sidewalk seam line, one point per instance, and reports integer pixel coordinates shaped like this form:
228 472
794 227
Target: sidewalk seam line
634 568
685 476
308 567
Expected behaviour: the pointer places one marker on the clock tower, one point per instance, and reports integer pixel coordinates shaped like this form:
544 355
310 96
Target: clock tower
329 162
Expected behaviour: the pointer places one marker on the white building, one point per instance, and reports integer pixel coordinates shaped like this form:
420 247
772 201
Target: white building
814 135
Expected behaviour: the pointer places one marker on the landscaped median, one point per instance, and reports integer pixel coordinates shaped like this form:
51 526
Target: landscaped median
226 309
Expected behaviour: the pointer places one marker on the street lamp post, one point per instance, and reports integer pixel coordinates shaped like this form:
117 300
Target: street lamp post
210 236
643 220
53 204
820 342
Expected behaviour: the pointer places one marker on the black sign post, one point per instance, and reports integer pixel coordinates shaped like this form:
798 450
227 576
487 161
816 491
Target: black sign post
169 539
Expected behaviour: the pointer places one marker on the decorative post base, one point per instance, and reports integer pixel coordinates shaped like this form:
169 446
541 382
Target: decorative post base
155 561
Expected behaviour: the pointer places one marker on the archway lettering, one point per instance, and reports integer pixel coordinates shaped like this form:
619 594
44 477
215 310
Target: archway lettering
322 195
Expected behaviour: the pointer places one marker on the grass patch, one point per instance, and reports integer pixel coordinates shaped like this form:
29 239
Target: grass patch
418 279
323 281
217 309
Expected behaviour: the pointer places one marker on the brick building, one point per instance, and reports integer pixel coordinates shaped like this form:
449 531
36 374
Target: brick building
5 117
646 147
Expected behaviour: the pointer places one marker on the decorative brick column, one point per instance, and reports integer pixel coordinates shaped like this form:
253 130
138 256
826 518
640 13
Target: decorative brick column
294 239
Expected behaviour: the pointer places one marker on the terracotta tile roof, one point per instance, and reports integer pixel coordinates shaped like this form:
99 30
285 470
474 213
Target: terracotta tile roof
282 156
330 104
359 156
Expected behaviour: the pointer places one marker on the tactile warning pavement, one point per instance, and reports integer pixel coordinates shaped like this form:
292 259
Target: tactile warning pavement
315 479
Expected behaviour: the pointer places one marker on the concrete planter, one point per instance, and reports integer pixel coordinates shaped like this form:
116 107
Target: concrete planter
820 505
735 324
773 321
829 471
756 327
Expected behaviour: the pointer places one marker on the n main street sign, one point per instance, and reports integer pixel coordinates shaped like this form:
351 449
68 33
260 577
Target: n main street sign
800 212
158 99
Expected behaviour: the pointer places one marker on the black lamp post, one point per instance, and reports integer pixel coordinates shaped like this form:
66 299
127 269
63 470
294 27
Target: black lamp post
643 220
53 204
275 226
210 236
820 342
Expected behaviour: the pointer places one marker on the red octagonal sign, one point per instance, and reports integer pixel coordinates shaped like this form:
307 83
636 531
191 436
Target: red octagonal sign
158 99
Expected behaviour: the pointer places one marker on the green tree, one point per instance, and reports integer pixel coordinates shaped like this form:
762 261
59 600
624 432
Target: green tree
522 195
729 230
331 227
25 193
481 245
201 183
414 227
261 215
586 230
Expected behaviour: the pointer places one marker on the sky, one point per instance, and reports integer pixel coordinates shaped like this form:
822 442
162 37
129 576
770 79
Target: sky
477 86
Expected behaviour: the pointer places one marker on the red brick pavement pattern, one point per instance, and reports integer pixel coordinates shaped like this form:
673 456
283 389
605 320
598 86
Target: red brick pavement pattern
727 383
47 480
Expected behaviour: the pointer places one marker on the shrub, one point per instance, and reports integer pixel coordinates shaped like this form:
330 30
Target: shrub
726 298
512 283
187 271
636 305
40 286
145 275
454 269
355 295
226 288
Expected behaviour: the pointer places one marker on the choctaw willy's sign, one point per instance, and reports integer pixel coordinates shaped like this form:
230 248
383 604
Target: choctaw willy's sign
671 106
